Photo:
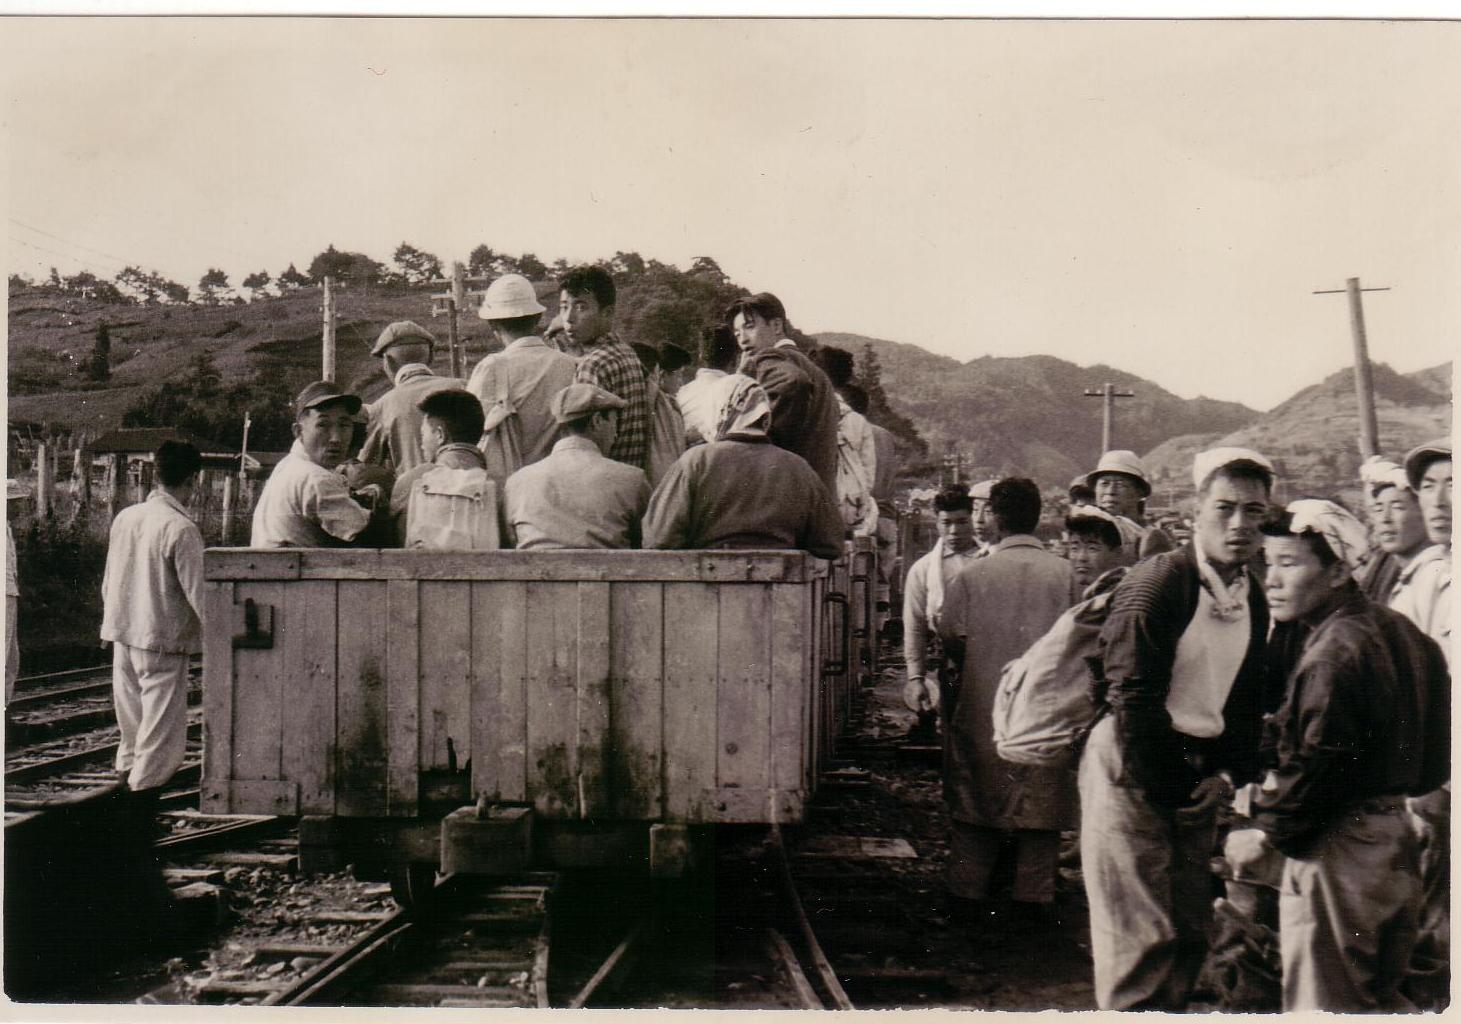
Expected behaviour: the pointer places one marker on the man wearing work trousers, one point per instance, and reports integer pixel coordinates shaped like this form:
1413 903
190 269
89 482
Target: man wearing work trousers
1183 654
152 594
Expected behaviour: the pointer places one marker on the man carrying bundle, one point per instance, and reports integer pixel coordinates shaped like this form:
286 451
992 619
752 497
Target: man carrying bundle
448 502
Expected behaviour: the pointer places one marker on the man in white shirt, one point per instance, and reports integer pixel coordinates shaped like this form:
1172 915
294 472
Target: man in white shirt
152 594
405 350
305 503
702 400
923 594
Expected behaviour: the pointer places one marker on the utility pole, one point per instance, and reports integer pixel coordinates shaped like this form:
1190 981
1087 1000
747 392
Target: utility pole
1108 394
457 300
327 334
1364 385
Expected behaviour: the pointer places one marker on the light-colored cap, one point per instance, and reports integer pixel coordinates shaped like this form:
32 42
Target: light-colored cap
1124 462
510 296
1344 534
1091 512
1421 456
1378 473
579 400
981 489
1205 464
402 332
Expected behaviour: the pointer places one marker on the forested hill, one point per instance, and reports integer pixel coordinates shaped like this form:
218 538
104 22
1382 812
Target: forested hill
1027 414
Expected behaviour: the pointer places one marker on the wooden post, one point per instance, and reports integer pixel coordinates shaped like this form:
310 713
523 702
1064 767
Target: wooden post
44 474
114 485
81 477
327 334
457 300
144 481
1108 395
228 498
1364 387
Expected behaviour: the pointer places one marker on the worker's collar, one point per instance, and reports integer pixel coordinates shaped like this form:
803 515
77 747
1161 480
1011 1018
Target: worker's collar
460 448
785 343
1019 540
526 341
708 373
410 370
577 443
158 494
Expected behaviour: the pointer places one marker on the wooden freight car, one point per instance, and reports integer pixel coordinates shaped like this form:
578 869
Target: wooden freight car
485 711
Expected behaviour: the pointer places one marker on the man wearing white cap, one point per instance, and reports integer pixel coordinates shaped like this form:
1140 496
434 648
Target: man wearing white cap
1120 485
405 350
981 518
1396 524
1364 723
578 497
1183 657
521 380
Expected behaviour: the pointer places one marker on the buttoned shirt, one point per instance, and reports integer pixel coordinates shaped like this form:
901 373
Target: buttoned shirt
152 588
534 374
1423 594
305 505
576 498
613 366
395 422
919 620
702 402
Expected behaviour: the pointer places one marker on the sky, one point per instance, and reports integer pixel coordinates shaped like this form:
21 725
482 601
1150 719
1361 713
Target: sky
1162 197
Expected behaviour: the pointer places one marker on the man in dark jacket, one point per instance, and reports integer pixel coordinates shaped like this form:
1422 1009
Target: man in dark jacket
1182 651
804 413
1365 721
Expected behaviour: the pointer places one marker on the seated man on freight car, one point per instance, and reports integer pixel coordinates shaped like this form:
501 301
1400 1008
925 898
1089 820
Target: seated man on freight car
742 491
305 503
448 502
578 497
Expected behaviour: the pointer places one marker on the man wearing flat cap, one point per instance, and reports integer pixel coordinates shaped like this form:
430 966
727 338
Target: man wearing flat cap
305 503
405 350
577 497
1182 654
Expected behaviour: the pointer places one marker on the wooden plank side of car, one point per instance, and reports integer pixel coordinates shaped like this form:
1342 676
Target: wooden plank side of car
743 687
638 695
258 687
691 659
218 684
307 721
361 756
403 696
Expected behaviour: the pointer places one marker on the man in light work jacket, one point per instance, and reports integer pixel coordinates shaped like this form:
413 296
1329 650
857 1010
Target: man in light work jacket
993 611
578 497
803 405
152 597
1183 655
527 371
405 350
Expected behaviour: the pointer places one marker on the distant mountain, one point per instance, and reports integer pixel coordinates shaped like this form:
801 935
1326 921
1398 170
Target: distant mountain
1027 414
1313 438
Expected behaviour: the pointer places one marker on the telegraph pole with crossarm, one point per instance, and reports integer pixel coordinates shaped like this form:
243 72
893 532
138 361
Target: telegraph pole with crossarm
1364 386
1108 394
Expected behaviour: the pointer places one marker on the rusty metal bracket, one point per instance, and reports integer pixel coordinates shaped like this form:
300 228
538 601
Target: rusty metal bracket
253 625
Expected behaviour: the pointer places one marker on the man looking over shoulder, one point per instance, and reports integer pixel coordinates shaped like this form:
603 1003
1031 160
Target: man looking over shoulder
1183 655
586 308
803 405
405 350
305 503
448 501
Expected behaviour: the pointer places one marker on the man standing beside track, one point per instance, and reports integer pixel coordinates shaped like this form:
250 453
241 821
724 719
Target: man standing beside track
405 350
923 595
1183 657
803 405
586 308
152 596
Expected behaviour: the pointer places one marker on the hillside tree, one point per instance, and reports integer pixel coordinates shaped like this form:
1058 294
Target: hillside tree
532 268
256 282
212 285
149 286
345 267
99 366
869 377
417 266
290 279
482 261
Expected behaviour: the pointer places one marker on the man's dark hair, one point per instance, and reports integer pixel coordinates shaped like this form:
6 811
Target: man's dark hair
837 363
1095 528
953 499
718 348
519 326
176 461
854 396
590 280
763 304
1015 505
459 412
1081 494
1281 524
1241 469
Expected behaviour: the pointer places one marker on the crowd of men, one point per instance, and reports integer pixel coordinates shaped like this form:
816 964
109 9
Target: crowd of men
1309 697
1286 671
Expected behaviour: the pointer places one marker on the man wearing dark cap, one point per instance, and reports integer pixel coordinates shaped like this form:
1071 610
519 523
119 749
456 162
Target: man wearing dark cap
803 405
405 350
305 503
577 497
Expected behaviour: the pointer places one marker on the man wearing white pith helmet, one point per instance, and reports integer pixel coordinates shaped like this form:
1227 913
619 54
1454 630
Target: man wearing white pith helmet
1120 485
405 350
527 373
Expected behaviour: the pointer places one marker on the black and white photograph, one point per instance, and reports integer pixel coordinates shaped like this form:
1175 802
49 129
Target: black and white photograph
906 509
